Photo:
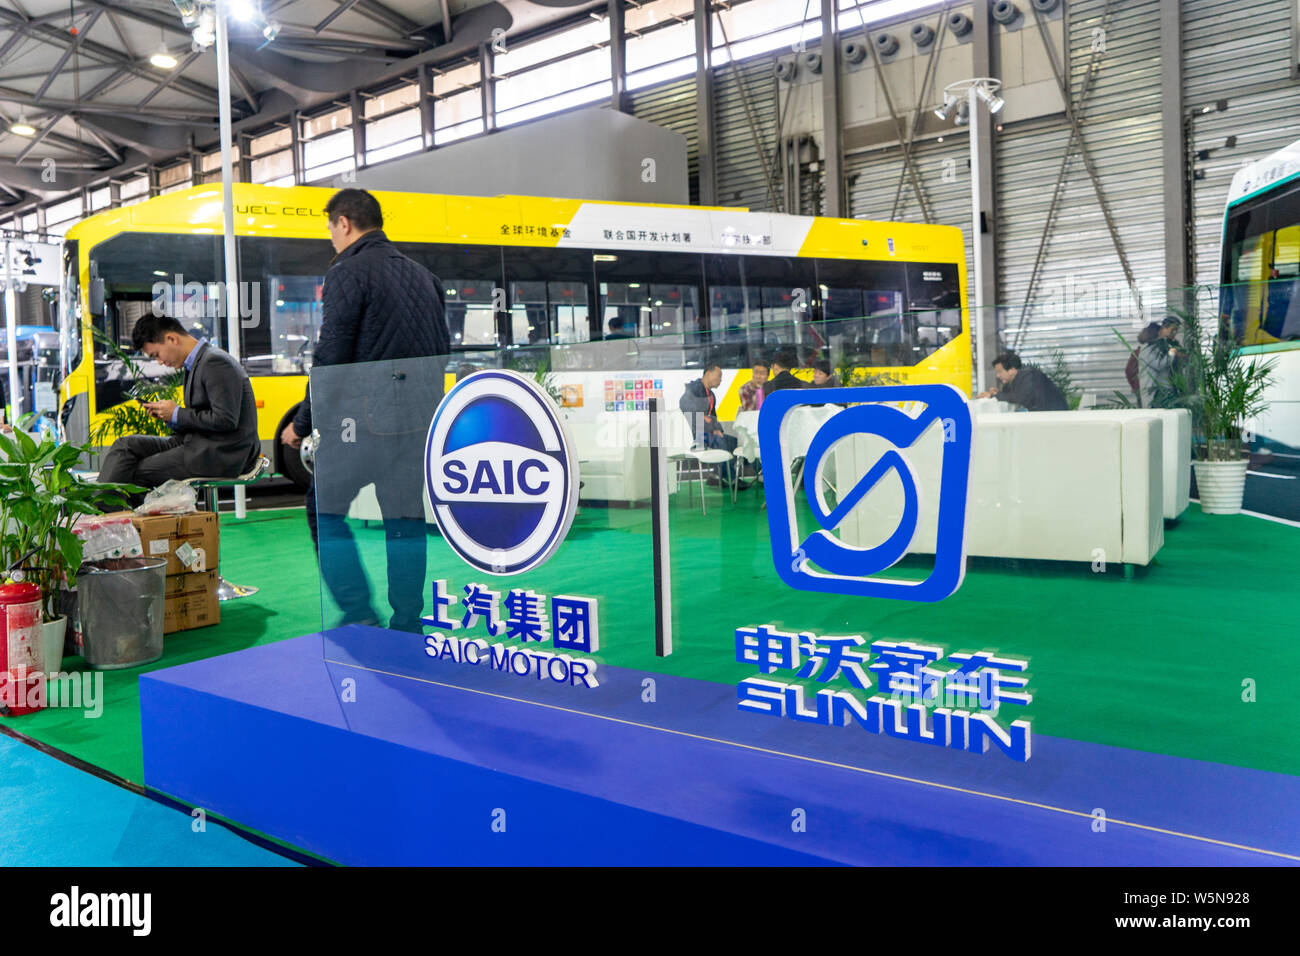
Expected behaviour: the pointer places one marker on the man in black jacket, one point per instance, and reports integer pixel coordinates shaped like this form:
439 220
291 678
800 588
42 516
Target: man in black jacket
781 377
1026 386
216 429
382 314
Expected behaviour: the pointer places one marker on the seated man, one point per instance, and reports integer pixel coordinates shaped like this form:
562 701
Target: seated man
822 376
751 393
781 377
1027 386
701 408
215 433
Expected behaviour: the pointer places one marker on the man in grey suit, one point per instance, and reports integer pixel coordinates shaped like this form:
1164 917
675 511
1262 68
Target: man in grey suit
216 430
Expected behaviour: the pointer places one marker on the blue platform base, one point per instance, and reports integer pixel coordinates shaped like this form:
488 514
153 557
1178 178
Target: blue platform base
356 746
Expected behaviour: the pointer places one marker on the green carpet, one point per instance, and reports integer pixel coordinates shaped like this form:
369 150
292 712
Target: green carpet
1156 663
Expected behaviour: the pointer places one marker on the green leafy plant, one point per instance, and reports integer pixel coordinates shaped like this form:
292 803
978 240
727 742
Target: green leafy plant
1222 388
542 374
1058 370
852 374
130 417
40 499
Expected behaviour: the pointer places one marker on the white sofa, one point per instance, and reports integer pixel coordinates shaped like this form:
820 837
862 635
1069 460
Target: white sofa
1084 489
1175 454
613 458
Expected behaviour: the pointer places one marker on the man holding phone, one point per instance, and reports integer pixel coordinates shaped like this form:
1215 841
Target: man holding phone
216 429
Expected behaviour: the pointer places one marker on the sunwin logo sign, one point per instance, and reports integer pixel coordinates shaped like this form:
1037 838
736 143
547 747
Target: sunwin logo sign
500 473
822 562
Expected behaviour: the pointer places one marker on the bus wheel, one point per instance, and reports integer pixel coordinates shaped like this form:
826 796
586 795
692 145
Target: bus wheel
287 460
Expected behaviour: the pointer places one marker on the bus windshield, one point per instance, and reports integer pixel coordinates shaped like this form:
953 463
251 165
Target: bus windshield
1261 267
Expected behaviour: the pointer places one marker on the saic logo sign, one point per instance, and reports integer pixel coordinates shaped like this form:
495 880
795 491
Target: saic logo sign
845 569
500 474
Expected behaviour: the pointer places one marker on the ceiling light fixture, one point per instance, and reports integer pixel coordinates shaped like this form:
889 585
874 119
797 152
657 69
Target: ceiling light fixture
20 127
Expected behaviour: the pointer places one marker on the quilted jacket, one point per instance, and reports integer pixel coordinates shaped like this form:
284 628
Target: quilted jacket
377 304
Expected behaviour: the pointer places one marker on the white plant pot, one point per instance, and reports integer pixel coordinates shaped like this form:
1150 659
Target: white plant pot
52 633
1221 485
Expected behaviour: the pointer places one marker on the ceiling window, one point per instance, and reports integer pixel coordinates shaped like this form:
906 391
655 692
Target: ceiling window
760 26
557 72
458 102
659 53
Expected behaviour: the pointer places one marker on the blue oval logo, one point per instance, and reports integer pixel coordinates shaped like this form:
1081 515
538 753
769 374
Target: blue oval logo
500 473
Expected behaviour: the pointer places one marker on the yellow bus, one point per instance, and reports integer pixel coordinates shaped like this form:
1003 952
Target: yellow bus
671 288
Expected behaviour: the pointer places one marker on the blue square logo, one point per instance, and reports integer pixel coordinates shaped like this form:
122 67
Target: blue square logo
794 423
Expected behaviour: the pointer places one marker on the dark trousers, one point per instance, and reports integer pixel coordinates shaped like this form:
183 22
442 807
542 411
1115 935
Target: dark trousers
144 460
340 562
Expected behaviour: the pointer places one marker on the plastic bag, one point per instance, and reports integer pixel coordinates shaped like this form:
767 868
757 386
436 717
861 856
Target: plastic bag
107 536
172 497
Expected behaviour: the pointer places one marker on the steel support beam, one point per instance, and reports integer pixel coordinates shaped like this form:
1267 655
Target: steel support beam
904 141
983 65
922 101
754 134
358 130
832 123
1177 254
486 88
295 145
1074 116
334 14
618 55
106 54
67 53
424 80
36 140
167 80
704 103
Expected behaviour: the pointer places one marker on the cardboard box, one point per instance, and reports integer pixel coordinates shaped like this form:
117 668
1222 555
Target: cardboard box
190 601
162 535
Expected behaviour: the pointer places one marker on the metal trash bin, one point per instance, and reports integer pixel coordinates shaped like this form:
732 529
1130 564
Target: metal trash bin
120 604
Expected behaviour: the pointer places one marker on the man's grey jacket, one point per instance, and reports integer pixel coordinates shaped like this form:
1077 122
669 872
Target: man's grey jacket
218 424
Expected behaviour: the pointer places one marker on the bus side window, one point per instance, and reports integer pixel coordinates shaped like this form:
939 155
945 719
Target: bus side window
549 295
783 289
862 309
471 277
934 304
282 315
1282 308
649 294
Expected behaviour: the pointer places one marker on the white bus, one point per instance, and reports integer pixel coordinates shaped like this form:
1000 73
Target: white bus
1259 275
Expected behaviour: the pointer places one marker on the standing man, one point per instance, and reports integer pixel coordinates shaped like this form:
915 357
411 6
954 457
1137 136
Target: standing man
216 430
1158 358
381 313
1026 386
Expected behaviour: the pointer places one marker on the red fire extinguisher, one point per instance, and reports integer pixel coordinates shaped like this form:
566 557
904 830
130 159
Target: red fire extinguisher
22 652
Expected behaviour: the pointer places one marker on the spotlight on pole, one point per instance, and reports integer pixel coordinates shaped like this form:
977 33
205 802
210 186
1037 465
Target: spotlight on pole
991 99
949 101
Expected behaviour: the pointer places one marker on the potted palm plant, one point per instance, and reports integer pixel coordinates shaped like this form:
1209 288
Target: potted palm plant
40 498
1224 390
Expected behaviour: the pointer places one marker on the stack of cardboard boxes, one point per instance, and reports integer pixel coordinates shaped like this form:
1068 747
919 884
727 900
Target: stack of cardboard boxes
189 543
